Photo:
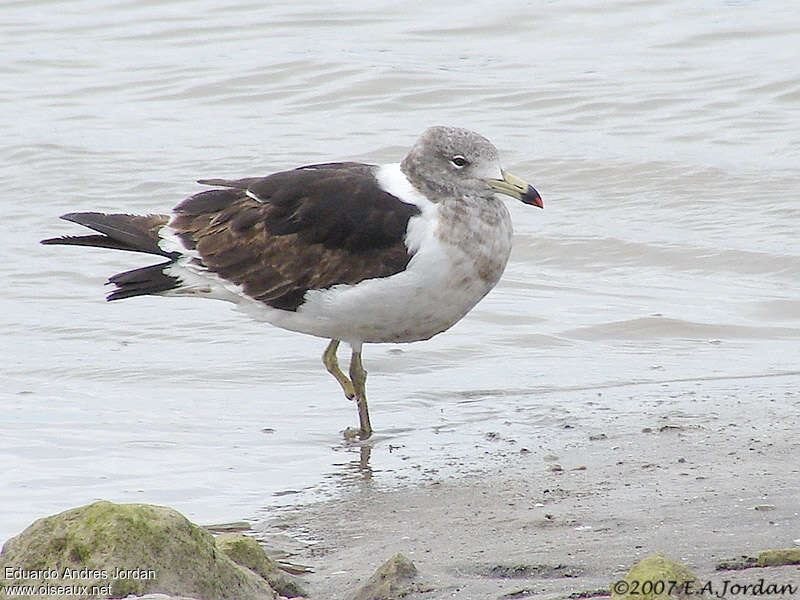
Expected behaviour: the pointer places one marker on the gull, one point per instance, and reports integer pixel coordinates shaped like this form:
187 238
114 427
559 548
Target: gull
346 251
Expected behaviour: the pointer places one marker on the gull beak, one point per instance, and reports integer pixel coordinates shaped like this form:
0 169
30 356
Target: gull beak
513 186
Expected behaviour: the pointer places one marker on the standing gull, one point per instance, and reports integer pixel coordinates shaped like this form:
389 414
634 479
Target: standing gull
350 252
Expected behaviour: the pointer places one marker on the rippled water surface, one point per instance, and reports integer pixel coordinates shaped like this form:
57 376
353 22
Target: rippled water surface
664 138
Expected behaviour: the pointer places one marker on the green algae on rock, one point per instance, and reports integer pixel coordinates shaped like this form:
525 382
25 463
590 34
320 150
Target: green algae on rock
107 550
247 552
779 557
656 576
391 581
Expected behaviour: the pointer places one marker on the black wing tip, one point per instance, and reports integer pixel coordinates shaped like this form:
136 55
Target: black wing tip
144 281
120 295
81 217
77 217
73 240
239 184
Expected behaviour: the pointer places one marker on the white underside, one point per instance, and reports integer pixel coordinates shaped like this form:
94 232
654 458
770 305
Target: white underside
438 287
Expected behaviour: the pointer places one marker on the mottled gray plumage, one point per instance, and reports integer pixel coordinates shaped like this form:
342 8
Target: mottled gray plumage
429 166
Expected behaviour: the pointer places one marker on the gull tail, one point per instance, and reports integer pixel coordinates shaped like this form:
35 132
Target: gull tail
133 233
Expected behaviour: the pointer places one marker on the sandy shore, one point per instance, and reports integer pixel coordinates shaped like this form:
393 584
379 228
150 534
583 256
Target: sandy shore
702 489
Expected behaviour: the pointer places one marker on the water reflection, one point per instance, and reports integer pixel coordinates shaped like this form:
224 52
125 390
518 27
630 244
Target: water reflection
354 471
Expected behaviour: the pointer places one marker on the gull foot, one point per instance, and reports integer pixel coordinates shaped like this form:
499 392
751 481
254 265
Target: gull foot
352 434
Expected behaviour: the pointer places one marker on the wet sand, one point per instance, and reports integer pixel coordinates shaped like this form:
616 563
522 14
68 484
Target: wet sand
702 488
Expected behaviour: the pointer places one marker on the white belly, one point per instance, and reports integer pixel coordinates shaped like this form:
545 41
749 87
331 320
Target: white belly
440 285
416 304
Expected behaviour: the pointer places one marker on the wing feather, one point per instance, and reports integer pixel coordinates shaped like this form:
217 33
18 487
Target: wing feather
309 228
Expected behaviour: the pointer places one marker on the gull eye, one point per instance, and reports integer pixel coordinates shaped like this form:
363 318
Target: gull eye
459 161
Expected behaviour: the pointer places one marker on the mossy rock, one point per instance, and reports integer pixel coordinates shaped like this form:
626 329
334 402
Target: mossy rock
392 580
119 549
247 552
656 577
779 557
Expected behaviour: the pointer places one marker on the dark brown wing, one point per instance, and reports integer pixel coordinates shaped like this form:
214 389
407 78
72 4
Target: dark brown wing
309 228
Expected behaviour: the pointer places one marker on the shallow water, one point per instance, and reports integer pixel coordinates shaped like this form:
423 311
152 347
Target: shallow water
662 136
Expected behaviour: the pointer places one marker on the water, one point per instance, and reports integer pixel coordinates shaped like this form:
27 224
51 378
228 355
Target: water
660 281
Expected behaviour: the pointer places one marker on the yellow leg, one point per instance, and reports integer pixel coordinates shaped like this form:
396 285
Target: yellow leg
332 364
359 378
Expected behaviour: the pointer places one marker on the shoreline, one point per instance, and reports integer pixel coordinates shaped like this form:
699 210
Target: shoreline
702 473
701 490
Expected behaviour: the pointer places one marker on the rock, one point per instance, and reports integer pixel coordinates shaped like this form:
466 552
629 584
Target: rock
737 564
644 580
526 571
392 580
779 557
234 527
119 549
247 552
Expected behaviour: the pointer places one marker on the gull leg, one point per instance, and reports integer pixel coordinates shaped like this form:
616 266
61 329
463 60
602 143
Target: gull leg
359 378
332 364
